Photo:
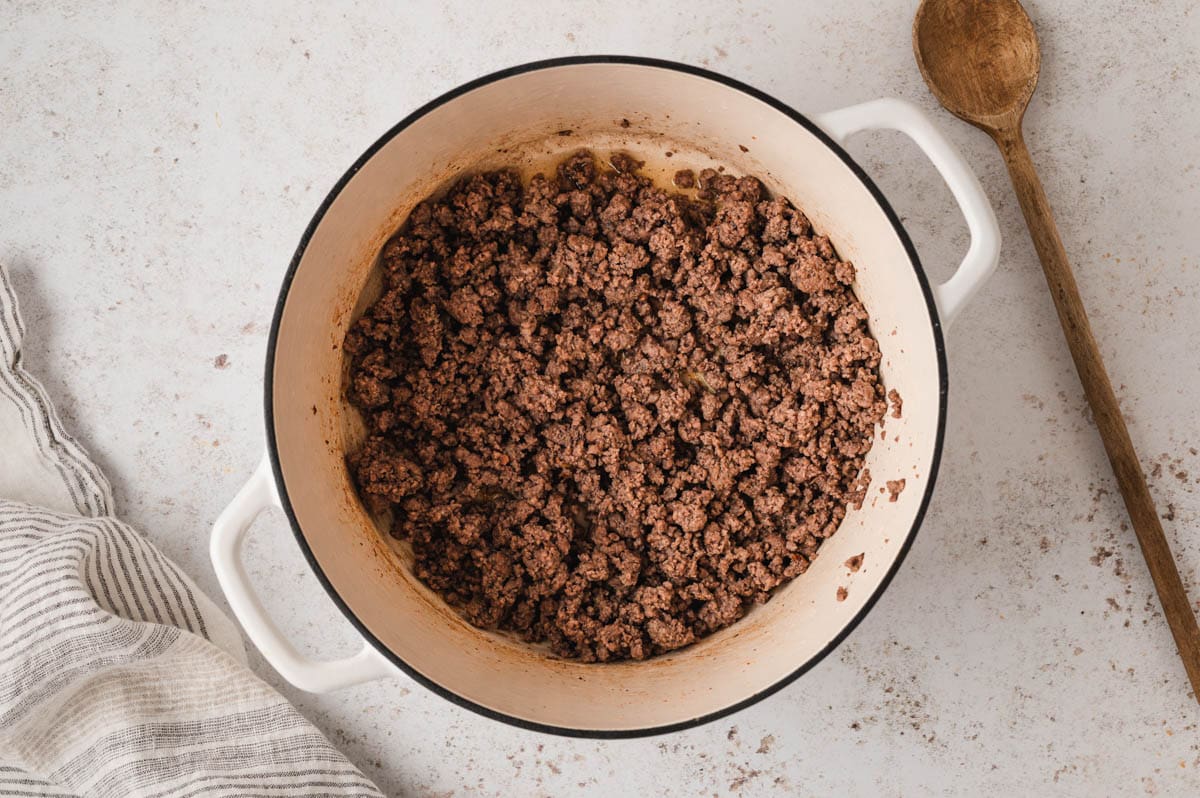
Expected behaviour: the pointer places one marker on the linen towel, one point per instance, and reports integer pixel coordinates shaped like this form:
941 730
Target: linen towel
118 677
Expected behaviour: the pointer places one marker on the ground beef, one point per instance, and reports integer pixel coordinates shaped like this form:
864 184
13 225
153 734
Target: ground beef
609 417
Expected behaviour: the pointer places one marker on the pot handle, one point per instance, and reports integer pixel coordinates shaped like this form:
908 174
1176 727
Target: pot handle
225 547
984 252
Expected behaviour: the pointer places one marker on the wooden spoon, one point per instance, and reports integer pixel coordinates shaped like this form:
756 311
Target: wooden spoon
981 60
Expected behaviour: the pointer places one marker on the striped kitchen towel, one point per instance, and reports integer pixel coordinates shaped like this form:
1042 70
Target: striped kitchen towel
118 677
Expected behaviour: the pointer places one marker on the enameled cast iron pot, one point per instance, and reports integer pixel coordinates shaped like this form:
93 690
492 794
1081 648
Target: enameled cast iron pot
518 114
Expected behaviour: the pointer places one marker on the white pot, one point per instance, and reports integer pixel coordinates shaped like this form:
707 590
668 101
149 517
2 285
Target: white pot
518 113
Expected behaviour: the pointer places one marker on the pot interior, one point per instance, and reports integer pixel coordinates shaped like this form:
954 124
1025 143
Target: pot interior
518 119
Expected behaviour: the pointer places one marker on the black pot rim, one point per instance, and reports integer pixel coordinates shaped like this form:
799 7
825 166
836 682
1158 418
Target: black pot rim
939 343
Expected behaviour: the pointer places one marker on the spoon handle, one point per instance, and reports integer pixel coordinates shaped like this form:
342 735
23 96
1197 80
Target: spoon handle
1103 401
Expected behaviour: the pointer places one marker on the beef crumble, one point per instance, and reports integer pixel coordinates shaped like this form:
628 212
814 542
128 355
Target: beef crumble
609 417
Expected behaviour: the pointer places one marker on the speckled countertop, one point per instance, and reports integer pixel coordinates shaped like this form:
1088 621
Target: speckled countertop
158 163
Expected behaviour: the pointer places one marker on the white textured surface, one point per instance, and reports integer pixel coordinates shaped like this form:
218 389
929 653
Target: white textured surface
158 164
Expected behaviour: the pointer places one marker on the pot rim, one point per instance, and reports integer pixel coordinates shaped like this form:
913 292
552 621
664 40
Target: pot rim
653 63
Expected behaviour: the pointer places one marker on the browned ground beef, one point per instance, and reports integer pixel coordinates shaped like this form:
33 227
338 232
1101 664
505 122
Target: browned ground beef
607 416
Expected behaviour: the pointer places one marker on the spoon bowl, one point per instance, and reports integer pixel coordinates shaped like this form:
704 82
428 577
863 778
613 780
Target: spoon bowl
980 59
